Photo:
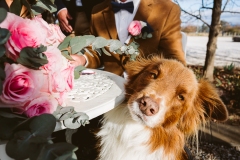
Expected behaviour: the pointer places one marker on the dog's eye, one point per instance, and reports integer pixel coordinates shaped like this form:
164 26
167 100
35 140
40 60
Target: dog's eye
180 97
153 75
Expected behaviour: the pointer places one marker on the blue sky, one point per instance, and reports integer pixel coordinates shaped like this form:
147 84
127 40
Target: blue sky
193 6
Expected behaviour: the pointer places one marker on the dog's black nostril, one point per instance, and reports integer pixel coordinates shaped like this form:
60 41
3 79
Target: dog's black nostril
148 106
152 110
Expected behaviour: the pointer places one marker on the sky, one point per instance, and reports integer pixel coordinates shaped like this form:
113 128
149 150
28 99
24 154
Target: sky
193 6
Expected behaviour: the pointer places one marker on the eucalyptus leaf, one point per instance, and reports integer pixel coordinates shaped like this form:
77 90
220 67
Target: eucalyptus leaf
71 123
36 127
2 50
16 7
44 5
65 53
149 35
4 35
106 52
100 42
65 43
11 115
66 109
57 151
2 74
114 45
144 36
79 68
65 116
77 44
6 127
3 14
76 74
32 57
89 39
18 147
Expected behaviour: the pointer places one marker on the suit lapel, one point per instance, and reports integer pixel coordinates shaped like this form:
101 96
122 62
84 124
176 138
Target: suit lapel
144 10
109 20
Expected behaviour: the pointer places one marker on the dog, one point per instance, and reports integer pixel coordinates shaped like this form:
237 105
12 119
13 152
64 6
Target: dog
165 106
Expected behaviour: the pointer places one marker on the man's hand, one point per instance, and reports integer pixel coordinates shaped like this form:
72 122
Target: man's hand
78 60
64 17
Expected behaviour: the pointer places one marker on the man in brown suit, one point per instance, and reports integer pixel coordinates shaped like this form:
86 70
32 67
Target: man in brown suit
162 15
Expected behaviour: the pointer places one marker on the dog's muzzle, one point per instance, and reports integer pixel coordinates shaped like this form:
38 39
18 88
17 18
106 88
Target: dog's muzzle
148 106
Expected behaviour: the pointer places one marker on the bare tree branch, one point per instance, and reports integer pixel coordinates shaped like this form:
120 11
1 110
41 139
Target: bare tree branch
230 12
225 5
204 7
197 17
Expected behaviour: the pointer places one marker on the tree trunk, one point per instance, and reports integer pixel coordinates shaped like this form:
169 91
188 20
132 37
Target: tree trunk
212 40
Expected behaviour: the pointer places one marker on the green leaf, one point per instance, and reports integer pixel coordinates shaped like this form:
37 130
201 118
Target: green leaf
2 50
42 125
3 14
6 127
11 115
33 57
2 74
79 68
89 39
43 5
4 35
149 35
77 44
106 52
16 7
18 147
114 45
65 43
58 151
76 121
77 71
100 42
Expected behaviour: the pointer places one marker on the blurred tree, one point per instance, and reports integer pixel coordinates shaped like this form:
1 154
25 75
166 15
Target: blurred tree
217 7
189 29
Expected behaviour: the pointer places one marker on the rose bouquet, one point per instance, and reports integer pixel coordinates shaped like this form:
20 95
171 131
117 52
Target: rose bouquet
35 75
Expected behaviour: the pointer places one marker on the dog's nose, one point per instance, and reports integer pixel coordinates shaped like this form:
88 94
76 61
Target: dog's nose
148 106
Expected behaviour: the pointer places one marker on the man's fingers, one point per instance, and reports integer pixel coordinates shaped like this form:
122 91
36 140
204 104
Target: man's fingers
69 16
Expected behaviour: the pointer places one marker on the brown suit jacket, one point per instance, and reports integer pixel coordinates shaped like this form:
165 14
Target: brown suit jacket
162 15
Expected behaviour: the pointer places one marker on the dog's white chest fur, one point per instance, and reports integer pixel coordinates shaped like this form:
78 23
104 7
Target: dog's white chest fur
124 139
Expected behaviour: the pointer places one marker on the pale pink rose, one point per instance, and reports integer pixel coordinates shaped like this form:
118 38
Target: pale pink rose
25 32
55 60
63 80
135 28
10 20
55 36
44 103
21 84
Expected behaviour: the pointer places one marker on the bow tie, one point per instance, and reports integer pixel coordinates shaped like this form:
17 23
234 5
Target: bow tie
126 6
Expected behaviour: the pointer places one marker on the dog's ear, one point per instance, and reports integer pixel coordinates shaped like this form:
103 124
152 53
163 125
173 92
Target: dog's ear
134 67
208 97
205 105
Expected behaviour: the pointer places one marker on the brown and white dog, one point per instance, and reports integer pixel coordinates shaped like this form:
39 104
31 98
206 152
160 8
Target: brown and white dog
165 106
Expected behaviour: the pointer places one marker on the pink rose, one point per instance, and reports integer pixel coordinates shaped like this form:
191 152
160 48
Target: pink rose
55 36
55 60
24 32
44 103
20 84
135 28
63 80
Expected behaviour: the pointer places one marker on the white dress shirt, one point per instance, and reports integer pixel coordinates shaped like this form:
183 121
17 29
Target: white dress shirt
123 19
